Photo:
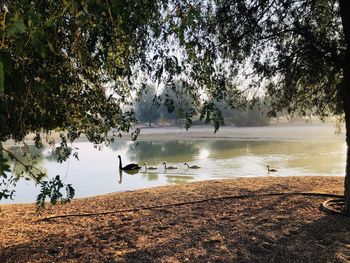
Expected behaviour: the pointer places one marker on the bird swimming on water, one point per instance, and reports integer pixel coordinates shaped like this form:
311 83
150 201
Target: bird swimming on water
169 167
192 166
150 167
270 169
128 167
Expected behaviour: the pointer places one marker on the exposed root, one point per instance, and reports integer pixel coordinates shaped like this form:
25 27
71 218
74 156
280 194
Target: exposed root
333 206
202 201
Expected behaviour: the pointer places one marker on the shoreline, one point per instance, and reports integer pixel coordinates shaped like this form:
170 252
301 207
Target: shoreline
206 181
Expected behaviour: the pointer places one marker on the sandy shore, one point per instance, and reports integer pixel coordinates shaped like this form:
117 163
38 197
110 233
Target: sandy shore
197 222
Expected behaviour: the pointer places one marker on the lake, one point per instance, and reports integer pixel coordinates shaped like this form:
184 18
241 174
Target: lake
97 170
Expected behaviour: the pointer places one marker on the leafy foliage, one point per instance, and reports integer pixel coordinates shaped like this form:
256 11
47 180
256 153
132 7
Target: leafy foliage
178 103
293 50
63 151
210 112
52 190
69 66
5 180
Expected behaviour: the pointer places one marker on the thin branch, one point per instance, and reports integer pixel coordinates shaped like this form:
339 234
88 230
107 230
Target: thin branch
12 156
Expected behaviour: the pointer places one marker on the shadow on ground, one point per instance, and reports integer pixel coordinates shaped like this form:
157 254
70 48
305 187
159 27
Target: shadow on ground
265 229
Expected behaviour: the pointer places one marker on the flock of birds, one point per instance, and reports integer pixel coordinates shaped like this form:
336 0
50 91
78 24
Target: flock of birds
135 166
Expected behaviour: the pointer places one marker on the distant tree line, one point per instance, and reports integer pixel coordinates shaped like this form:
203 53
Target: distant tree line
152 107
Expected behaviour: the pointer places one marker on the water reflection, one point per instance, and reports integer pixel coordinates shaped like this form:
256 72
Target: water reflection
29 155
179 179
97 171
151 176
158 151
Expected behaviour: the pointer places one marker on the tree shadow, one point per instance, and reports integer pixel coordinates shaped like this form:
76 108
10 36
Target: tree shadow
214 231
326 239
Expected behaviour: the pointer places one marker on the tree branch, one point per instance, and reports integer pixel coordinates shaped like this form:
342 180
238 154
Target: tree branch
28 167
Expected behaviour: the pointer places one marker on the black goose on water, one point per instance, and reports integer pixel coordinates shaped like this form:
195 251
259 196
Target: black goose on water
128 167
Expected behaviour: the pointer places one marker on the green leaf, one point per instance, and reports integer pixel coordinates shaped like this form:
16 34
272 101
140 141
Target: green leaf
38 44
49 22
17 27
20 26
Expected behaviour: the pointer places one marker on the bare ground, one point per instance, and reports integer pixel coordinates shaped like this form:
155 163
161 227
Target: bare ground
257 229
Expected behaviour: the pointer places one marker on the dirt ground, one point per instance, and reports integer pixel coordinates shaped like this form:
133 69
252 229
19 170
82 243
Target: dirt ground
215 227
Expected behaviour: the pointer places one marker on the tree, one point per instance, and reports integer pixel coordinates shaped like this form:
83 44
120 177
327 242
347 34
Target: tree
249 116
147 108
68 66
177 102
298 52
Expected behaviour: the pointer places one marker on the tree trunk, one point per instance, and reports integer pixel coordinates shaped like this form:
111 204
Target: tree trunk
347 173
345 96
345 93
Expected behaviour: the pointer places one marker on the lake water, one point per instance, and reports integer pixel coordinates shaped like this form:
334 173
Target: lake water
97 170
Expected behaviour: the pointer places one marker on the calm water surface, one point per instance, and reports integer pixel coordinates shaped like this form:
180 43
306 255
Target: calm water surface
97 170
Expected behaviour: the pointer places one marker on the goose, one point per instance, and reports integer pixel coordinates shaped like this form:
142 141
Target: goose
192 166
150 167
270 170
169 167
128 167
